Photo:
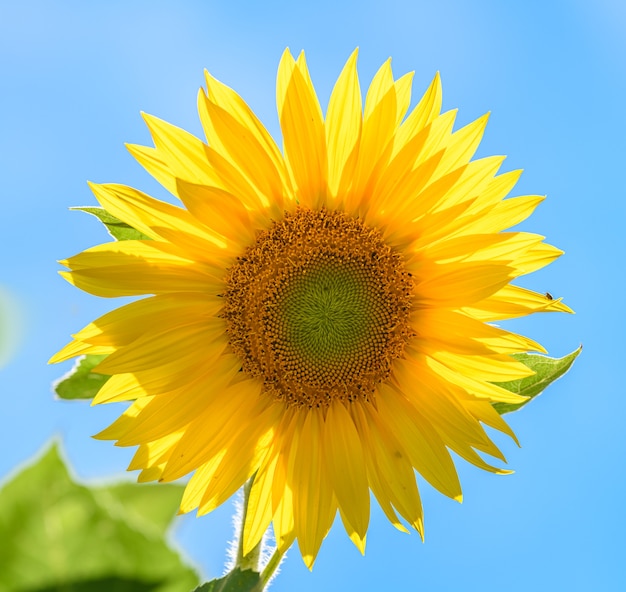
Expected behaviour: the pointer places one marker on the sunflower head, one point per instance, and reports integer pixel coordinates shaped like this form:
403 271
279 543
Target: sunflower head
318 319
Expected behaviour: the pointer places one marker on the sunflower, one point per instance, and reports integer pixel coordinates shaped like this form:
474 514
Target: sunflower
317 320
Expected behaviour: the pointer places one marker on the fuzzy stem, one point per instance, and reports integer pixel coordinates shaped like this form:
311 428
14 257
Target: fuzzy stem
271 566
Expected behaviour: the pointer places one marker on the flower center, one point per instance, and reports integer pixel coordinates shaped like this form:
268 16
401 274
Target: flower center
318 308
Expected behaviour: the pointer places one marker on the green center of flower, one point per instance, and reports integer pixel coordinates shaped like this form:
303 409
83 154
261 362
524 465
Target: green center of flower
327 320
318 308
326 313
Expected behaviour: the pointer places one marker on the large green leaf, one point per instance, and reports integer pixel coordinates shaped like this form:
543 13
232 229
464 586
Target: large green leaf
235 581
81 382
547 370
149 507
103 585
57 535
117 229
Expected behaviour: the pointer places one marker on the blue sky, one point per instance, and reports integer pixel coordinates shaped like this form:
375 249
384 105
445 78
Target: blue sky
74 77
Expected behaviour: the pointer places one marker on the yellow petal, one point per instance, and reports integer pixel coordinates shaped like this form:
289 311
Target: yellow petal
343 124
484 411
308 481
149 159
439 133
126 323
154 454
494 368
283 522
124 421
244 453
157 381
418 193
514 301
241 145
389 470
304 139
169 413
506 214
423 445
212 429
286 67
228 99
184 154
472 384
535 258
379 89
499 188
379 125
463 144
424 113
403 95
441 405
78 348
134 268
159 349
257 522
222 211
159 219
346 468
454 285
400 178
453 330
194 491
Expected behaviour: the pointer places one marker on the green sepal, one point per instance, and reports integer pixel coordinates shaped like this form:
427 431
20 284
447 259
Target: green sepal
58 535
81 382
237 580
546 369
117 229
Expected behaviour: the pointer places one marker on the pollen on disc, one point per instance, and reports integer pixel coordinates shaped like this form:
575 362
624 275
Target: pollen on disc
318 308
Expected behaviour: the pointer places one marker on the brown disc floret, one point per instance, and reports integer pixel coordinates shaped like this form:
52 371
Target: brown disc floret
318 308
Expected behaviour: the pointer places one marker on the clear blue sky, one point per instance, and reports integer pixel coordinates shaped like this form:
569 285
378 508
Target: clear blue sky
73 78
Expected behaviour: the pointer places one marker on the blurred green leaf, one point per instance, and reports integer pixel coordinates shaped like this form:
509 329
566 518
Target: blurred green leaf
57 535
81 382
148 506
547 370
102 585
235 581
117 229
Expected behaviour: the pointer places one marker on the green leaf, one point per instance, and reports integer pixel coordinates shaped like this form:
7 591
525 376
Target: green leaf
235 581
81 382
117 229
547 370
57 535
102 585
149 506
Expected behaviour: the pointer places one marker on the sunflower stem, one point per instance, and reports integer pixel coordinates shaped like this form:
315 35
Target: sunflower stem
251 560
271 566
